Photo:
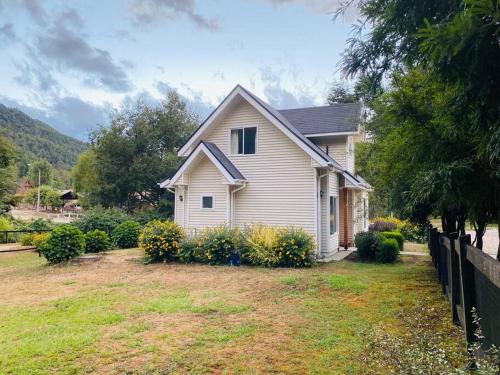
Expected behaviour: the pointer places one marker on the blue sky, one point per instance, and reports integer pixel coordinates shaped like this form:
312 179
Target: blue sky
72 63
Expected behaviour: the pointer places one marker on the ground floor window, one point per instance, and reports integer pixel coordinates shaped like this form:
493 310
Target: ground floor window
207 201
333 215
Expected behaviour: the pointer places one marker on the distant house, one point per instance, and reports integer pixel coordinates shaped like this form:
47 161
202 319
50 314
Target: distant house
24 187
249 162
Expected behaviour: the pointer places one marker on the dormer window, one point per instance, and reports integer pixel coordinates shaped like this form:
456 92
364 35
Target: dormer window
243 141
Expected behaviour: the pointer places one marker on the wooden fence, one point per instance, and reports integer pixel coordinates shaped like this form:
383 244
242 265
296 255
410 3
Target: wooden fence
470 279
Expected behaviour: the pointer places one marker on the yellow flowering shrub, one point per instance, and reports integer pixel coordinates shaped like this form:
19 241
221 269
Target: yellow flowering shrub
295 247
216 244
262 243
161 240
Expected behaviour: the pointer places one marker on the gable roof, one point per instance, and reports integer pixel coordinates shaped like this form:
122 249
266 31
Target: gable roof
274 117
335 118
225 166
222 158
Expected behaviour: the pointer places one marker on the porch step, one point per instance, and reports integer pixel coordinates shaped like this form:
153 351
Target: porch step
336 256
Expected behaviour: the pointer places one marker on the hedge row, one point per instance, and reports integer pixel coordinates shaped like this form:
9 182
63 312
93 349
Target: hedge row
165 241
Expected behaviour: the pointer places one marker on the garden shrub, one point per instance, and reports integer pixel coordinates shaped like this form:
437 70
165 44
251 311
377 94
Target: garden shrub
5 224
295 247
366 242
145 216
26 239
96 241
189 251
414 232
105 219
161 240
382 226
38 238
39 224
397 236
387 250
217 244
65 242
261 245
126 234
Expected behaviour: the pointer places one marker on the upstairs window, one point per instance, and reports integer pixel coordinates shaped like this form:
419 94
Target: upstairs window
243 141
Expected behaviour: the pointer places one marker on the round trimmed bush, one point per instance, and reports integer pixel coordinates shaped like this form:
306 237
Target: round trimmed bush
96 241
65 242
126 234
366 242
397 236
387 250
161 240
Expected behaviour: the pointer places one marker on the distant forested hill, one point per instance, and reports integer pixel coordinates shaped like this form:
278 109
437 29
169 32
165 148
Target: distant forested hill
35 139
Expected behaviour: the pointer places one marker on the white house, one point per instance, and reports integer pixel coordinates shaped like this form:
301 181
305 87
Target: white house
249 162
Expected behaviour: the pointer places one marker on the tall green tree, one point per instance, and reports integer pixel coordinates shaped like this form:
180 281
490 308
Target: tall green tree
438 58
45 169
7 173
85 178
139 150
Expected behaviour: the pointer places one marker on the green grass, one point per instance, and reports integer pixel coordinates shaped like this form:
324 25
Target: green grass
119 316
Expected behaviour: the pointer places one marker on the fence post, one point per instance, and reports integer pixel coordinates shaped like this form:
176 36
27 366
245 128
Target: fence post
443 262
467 289
455 278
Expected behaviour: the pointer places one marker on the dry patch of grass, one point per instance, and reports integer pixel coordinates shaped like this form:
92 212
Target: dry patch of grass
119 316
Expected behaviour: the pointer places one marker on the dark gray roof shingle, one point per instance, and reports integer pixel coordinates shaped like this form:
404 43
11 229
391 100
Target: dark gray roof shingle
336 118
226 163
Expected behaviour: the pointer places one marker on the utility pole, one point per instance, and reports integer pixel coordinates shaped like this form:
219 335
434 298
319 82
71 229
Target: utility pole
38 197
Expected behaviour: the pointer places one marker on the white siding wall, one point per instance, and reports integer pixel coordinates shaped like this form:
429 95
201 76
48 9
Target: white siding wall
350 154
325 216
206 178
337 147
281 181
179 206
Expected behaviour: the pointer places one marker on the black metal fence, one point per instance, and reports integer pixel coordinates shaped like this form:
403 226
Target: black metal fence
9 236
470 279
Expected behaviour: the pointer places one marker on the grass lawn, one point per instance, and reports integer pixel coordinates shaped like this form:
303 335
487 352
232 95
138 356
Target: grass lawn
119 316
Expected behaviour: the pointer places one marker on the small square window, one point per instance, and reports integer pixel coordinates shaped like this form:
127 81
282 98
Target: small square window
207 201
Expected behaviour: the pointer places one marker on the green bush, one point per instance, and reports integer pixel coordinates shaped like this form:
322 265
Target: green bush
105 219
217 244
126 234
190 250
261 245
96 241
295 247
27 239
366 242
145 216
65 242
5 224
161 240
414 232
387 250
397 236
38 238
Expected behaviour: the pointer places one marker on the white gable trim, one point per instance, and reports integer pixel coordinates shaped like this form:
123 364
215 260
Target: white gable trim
201 148
238 90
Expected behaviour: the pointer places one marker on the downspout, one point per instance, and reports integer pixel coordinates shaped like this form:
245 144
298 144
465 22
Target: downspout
231 224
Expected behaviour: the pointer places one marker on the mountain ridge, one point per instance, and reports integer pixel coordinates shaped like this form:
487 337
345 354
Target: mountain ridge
36 139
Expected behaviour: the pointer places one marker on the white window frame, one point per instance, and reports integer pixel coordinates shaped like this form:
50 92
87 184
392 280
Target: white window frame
205 195
336 197
256 139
